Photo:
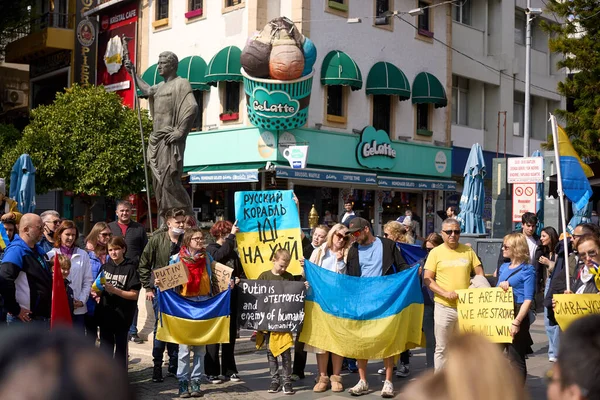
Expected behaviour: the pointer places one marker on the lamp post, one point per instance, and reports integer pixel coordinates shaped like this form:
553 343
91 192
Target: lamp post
530 14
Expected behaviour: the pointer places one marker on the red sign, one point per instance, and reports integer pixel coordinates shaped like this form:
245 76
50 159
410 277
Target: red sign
524 198
111 72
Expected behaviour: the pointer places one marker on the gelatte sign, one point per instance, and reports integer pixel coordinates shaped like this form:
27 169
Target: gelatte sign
274 104
375 149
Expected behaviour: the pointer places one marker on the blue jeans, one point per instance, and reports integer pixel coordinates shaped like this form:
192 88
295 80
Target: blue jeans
428 331
158 346
183 364
553 332
38 322
133 328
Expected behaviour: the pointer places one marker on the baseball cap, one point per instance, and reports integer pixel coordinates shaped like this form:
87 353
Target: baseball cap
357 224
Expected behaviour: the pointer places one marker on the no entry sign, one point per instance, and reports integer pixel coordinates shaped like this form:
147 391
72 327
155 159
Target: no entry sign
524 197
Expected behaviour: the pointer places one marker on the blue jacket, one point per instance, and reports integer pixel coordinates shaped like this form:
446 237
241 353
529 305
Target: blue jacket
26 279
96 264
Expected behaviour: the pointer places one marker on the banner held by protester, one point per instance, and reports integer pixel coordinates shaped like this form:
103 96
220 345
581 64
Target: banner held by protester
274 306
487 312
268 221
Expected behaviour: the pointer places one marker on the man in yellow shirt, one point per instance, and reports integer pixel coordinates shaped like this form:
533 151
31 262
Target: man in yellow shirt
448 268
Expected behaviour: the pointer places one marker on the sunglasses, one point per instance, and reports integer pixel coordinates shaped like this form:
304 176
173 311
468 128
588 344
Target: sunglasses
385 235
106 234
590 254
357 233
341 236
449 232
505 247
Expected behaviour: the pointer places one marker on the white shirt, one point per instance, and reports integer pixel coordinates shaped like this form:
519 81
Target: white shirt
331 263
80 277
531 242
347 215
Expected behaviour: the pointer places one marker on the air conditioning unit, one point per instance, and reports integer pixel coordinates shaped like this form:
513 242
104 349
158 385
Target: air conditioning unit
14 97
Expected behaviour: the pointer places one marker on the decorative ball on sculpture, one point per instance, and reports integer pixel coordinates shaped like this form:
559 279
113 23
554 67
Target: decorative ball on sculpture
310 56
255 59
287 61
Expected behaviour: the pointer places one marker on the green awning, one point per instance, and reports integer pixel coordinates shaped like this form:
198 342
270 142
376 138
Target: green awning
427 89
225 66
386 78
339 69
151 77
193 68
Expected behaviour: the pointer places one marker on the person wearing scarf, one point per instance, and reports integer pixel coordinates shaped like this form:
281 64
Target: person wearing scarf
199 287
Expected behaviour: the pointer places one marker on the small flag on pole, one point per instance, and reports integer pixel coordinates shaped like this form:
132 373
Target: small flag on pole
574 172
98 285
61 313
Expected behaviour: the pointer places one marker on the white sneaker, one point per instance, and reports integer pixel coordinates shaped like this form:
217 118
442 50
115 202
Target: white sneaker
388 390
381 371
362 387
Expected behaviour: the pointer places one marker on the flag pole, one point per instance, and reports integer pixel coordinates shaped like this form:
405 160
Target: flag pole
561 198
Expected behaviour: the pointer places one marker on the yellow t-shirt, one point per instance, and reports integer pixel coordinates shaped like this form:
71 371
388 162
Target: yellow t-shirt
452 269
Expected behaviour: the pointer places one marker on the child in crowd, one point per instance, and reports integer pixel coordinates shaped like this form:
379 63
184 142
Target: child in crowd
281 260
65 269
118 300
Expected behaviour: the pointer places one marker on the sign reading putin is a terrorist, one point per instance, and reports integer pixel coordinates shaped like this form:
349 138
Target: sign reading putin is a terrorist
268 221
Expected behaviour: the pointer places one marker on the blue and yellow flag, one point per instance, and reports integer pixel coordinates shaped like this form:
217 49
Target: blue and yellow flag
99 282
195 323
362 318
4 240
574 172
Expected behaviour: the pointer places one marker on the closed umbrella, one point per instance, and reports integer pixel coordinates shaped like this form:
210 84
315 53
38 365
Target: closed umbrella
472 200
580 216
22 184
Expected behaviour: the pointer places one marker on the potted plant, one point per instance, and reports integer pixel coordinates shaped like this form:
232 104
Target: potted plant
229 115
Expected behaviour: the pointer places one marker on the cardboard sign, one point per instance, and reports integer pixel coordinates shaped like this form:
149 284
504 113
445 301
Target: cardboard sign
223 274
171 276
268 221
275 306
570 307
487 312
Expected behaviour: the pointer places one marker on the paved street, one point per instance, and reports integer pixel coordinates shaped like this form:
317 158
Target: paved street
254 372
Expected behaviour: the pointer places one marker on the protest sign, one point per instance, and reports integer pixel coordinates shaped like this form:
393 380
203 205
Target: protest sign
171 276
223 274
570 307
486 312
275 306
268 221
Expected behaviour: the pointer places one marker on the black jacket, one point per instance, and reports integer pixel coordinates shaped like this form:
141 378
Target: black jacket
226 254
135 238
392 263
34 289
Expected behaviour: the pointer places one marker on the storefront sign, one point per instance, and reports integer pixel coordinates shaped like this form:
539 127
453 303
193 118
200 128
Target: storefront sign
401 183
273 104
524 200
326 176
525 170
86 34
296 156
239 176
441 162
375 149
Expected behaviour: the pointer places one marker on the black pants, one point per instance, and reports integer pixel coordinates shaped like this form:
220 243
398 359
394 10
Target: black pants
91 327
114 342
227 366
405 357
299 358
158 346
518 349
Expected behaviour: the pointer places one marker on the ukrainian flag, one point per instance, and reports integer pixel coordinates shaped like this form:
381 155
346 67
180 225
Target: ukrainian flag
99 282
574 172
194 323
362 318
4 240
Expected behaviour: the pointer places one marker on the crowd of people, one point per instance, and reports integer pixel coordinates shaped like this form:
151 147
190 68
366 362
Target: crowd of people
121 253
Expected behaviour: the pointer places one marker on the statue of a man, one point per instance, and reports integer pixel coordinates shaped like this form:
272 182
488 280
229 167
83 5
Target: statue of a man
173 108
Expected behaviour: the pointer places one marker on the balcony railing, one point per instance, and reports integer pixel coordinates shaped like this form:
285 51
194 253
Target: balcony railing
36 24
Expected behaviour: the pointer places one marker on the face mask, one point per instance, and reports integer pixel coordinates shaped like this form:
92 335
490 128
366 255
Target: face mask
50 233
178 231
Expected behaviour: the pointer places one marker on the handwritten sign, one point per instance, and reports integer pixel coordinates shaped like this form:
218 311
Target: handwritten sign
276 306
570 307
223 274
268 221
171 276
487 312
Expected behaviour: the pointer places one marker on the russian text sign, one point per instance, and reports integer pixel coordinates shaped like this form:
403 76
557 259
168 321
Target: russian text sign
570 307
487 312
525 170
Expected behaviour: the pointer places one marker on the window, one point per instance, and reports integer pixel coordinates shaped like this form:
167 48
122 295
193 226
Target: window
195 5
339 7
162 9
518 118
461 12
381 8
199 96
460 100
424 20
231 3
423 111
231 105
520 23
382 112
335 104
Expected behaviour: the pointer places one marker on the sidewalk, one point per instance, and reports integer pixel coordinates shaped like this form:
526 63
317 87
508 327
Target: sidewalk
254 371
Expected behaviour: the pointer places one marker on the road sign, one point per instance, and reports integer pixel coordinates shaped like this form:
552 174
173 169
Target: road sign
524 198
525 170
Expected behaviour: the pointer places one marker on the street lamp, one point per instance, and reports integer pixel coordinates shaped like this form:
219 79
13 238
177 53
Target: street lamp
530 14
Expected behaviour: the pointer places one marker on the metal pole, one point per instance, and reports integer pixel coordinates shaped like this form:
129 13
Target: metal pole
526 131
561 197
139 113
498 137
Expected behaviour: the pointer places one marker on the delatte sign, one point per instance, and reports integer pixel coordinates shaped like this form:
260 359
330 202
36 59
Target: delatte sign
375 149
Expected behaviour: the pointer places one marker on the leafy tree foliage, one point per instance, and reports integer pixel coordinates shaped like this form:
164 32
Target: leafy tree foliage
578 39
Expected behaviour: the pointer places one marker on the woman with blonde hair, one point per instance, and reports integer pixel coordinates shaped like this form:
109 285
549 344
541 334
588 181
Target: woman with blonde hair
397 232
331 255
519 275
469 355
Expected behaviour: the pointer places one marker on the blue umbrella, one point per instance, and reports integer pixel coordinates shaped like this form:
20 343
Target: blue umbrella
472 200
22 184
580 216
